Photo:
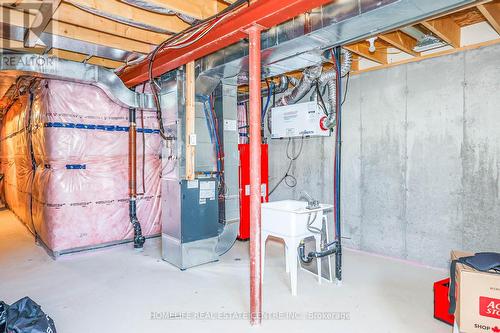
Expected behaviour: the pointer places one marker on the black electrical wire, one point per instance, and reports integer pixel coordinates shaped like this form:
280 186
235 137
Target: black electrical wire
152 57
320 97
346 88
288 178
143 148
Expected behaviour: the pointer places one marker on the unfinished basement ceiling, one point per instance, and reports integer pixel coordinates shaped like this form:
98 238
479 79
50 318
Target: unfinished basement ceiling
110 33
105 33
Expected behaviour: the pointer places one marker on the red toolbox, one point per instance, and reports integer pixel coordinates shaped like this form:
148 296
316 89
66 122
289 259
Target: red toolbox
441 302
244 149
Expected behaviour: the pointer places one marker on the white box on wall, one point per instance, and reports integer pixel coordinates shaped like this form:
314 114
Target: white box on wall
296 120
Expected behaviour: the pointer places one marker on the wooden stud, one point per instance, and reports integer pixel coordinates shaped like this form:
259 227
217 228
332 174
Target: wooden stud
190 120
446 29
401 41
491 12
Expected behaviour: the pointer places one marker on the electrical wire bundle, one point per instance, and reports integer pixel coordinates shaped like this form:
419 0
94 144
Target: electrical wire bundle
289 178
338 145
213 129
179 41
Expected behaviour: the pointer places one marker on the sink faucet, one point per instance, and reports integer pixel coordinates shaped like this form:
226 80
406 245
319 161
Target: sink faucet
311 203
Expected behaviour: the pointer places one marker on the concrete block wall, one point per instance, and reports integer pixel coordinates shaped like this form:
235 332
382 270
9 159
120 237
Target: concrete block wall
421 159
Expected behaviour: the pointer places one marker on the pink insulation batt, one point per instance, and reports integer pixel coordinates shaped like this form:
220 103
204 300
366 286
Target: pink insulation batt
77 196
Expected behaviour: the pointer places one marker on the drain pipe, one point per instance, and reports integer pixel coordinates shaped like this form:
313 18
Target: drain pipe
139 239
330 249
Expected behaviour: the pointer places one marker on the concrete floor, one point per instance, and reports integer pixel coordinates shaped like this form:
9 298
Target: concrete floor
118 289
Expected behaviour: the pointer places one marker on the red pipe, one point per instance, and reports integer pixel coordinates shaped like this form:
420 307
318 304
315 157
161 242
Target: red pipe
266 13
255 175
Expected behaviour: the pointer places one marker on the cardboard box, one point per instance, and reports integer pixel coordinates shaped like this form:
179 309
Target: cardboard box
478 298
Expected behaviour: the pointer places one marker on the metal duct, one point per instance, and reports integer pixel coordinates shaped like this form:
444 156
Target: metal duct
146 5
286 47
12 32
330 78
43 66
282 87
120 19
297 93
310 75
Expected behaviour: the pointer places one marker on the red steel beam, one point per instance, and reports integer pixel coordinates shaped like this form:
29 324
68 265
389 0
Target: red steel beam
255 175
264 13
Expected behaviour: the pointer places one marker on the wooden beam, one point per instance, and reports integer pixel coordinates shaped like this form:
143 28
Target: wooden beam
72 15
116 8
190 121
103 62
446 29
199 9
40 22
361 49
401 41
491 12
80 57
6 44
14 17
431 55
68 55
96 37
355 63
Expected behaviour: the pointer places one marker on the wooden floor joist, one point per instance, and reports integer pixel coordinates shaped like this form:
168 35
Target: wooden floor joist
491 11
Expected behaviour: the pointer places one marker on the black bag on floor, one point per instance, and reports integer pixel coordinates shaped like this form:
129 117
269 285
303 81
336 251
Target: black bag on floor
3 313
25 316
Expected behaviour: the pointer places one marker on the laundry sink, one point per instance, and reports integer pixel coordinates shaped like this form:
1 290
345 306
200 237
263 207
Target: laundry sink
289 218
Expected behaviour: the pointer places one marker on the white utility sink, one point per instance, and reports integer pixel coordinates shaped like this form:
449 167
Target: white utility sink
289 218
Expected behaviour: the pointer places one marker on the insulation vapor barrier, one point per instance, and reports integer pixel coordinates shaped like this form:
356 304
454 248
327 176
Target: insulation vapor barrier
64 154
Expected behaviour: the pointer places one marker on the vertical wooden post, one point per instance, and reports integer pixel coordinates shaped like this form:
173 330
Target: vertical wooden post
190 120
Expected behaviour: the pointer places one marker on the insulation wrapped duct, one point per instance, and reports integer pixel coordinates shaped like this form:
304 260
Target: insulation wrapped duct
313 74
67 177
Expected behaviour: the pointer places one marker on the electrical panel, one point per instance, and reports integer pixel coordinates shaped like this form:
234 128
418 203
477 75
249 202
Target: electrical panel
297 120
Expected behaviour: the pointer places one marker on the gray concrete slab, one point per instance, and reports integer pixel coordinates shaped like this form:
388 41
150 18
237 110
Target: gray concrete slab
120 290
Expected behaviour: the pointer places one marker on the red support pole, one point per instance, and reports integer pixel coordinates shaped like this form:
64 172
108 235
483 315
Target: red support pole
255 175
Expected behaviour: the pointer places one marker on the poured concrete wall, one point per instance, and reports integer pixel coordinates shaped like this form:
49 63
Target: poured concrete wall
421 159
